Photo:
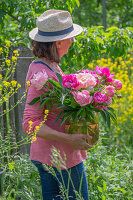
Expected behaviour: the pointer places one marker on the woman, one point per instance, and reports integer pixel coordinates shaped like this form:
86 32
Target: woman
50 41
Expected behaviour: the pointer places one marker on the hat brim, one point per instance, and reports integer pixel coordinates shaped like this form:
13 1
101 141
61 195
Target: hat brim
35 36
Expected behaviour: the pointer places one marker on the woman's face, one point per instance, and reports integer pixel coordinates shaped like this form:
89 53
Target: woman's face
63 46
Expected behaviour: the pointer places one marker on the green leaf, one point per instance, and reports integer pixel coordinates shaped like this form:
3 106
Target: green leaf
48 105
90 113
58 117
69 108
42 104
112 29
74 117
120 189
60 106
77 2
79 111
103 198
35 100
60 81
47 87
43 95
46 100
54 83
100 189
107 118
104 186
59 78
103 116
113 116
99 40
66 117
74 104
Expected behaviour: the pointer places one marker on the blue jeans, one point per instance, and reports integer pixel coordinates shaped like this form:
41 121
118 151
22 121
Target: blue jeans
73 181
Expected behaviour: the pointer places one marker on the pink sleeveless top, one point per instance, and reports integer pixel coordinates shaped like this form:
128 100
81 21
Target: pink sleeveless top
41 148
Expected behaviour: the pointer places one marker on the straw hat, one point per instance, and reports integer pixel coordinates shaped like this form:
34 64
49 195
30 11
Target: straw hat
54 25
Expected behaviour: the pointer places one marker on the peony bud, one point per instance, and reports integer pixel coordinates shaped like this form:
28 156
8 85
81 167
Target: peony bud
117 84
110 90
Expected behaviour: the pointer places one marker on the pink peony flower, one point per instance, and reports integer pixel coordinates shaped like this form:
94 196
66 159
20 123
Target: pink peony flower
88 71
117 84
103 71
39 79
108 100
110 90
82 71
93 73
99 97
85 80
70 81
83 98
109 79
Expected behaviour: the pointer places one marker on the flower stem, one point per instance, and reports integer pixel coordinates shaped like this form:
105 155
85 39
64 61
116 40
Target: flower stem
8 125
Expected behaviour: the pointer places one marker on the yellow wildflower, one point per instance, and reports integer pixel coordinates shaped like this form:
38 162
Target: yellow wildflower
30 127
128 62
0 76
14 83
5 99
46 112
8 43
30 123
1 51
19 85
15 51
33 139
14 58
6 84
116 136
120 58
8 62
37 128
28 83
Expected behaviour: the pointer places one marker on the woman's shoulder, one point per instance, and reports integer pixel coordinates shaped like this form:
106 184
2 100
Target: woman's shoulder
37 66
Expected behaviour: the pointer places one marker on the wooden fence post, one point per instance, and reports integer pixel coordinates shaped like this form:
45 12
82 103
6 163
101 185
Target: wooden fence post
23 62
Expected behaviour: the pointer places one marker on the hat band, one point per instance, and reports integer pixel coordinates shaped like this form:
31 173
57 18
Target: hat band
56 33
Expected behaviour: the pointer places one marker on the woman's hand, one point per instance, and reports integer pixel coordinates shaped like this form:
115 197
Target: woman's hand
78 141
95 135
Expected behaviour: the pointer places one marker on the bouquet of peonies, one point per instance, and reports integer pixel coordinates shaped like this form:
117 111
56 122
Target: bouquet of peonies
79 96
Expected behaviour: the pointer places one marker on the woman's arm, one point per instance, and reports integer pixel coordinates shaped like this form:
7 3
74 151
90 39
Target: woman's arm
76 141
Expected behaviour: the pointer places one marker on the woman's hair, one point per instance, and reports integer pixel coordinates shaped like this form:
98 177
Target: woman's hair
45 49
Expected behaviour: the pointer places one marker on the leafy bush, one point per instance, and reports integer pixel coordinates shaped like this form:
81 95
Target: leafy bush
109 174
22 180
94 43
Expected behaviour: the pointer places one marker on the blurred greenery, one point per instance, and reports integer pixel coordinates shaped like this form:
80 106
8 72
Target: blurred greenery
94 43
17 18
